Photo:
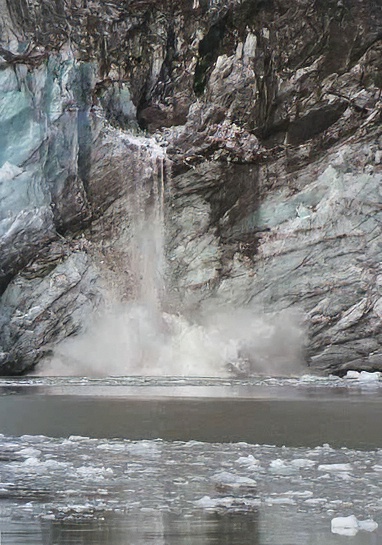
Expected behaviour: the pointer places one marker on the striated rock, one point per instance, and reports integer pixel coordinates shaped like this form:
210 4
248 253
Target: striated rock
271 116
36 313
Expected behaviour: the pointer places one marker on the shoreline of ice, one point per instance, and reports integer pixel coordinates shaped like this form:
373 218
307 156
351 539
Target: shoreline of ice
353 380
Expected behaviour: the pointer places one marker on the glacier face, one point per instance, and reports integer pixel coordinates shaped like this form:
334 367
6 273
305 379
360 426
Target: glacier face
273 169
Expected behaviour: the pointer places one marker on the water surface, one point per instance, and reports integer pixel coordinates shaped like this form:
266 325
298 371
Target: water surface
176 462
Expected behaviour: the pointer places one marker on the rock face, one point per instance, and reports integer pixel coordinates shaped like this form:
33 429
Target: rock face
271 116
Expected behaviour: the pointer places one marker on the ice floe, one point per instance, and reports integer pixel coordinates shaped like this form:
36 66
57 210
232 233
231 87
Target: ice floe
350 526
224 479
334 467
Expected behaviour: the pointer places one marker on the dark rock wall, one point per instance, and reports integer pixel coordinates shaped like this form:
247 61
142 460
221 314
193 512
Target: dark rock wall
271 115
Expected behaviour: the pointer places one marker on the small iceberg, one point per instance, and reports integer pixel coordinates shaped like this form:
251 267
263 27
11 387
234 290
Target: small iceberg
350 526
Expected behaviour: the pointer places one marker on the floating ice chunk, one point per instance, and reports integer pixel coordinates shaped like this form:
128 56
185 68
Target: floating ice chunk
206 502
349 526
282 500
369 377
363 376
248 461
281 467
345 526
352 374
31 461
335 467
88 472
227 502
315 501
368 525
146 449
277 463
29 452
302 462
299 494
34 438
35 465
78 438
112 447
309 378
229 480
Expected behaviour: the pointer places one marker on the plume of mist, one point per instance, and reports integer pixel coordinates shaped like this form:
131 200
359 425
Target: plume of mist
138 339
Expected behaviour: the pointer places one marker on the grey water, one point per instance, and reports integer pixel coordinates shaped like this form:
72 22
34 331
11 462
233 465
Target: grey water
188 461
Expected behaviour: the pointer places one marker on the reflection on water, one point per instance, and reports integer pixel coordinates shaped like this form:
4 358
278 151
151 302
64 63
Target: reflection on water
156 529
138 529
274 528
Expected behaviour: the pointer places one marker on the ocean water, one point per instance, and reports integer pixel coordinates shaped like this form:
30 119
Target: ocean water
189 461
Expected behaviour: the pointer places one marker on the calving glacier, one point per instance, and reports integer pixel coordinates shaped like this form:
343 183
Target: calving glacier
188 188
154 334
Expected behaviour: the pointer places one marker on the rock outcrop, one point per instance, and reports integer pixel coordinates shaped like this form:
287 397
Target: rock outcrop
270 112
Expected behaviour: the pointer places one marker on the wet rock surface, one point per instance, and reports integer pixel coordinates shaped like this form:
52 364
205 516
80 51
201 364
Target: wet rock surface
271 117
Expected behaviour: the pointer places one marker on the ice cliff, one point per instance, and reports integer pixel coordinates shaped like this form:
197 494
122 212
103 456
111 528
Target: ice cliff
270 115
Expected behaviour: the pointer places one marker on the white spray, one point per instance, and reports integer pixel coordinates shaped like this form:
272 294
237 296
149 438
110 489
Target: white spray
139 338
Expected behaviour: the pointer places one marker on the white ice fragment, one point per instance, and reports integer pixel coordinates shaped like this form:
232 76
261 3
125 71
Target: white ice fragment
206 502
32 461
34 438
277 463
280 467
88 472
345 526
112 447
33 464
349 526
316 501
368 525
297 494
302 462
144 449
369 377
335 467
48 516
226 479
352 374
282 500
308 378
29 452
247 461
